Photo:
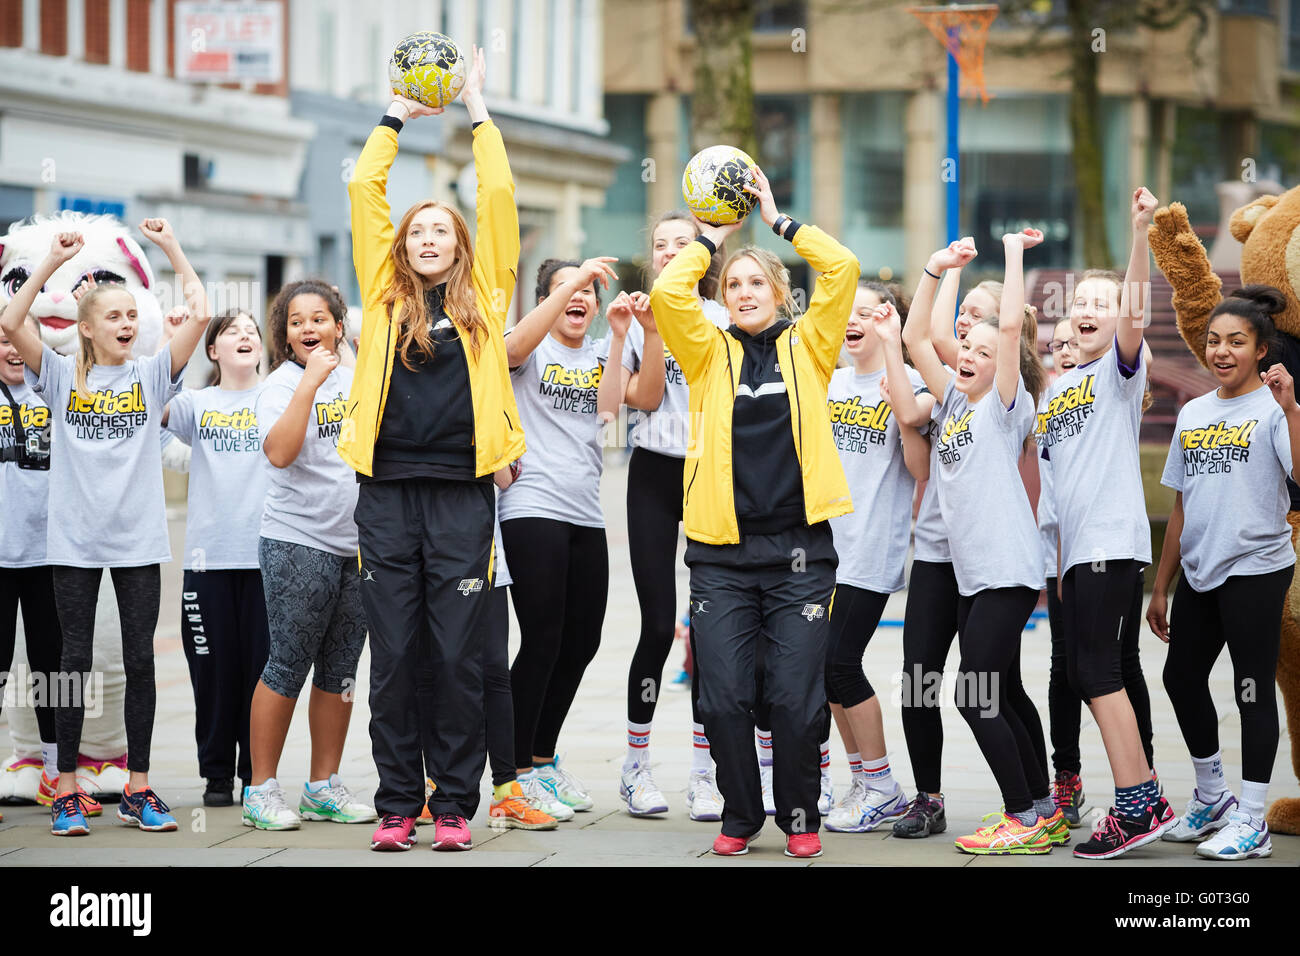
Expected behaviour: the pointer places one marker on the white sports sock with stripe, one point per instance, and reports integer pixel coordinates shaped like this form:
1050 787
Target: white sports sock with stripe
638 745
701 757
878 775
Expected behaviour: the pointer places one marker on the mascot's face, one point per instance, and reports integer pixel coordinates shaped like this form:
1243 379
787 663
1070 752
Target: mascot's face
109 255
1269 231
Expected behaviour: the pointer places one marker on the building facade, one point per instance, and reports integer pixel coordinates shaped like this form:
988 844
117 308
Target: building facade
850 106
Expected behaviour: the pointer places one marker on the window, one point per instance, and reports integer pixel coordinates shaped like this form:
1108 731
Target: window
784 149
873 125
1258 8
1293 37
1197 163
770 16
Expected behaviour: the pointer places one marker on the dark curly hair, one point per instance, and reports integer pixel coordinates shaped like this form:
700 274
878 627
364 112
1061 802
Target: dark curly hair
546 274
1256 304
278 323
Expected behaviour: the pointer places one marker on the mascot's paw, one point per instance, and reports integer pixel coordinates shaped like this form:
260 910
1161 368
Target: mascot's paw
20 778
1170 234
1284 816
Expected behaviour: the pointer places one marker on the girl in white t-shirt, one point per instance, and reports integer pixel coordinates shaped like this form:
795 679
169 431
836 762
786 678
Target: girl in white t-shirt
106 498
1232 451
223 607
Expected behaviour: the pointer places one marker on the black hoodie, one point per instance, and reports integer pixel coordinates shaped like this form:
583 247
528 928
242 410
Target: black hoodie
766 479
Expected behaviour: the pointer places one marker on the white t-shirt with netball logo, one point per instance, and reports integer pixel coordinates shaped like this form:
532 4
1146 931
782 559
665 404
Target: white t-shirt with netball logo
313 500
228 475
1090 435
559 474
24 492
1230 459
871 541
991 526
667 429
107 508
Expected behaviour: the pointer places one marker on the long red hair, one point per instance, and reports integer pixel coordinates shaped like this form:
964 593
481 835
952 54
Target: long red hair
407 289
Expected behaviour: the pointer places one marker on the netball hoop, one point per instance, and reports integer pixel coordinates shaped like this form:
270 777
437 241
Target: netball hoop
962 29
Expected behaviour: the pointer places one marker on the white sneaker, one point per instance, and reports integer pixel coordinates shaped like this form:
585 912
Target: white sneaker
827 800
702 796
20 779
565 786
334 803
865 809
1241 838
1199 820
765 780
543 797
637 787
265 808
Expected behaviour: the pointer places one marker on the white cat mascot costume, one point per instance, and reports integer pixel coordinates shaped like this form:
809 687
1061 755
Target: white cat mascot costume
109 255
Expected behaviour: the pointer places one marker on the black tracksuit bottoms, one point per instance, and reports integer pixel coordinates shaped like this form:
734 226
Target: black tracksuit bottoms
426 551
733 608
226 639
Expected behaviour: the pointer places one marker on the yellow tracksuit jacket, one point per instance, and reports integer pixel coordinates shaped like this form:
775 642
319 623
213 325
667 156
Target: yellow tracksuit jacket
498 437
711 359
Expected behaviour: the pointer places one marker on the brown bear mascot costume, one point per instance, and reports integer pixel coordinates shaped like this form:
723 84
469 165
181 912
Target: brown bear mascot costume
1269 230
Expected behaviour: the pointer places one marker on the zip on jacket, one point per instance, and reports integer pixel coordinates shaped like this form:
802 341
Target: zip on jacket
711 360
498 439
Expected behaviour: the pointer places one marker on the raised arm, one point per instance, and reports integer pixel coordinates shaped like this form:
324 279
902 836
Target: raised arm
1181 257
1282 385
496 238
536 325
13 319
1137 282
185 338
916 333
822 325
686 330
943 328
916 451
609 394
1011 314
644 388
909 409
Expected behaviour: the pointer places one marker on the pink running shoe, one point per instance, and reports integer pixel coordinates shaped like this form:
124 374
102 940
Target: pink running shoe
394 833
803 845
451 832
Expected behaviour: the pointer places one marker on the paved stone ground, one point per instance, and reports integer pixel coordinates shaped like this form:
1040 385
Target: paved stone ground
593 746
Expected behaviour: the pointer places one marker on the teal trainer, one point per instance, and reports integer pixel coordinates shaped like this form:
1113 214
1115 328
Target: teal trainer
145 810
334 803
265 809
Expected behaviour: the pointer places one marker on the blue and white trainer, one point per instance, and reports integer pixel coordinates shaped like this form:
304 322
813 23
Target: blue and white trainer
1243 837
638 788
265 808
334 803
567 788
145 809
864 809
1201 819
66 818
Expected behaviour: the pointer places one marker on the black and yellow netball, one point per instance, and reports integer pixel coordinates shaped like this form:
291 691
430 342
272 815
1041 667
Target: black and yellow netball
428 68
713 185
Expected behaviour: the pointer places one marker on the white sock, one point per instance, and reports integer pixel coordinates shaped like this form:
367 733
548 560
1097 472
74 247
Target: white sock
638 745
764 740
855 765
1209 777
270 783
50 759
701 758
1254 798
826 756
878 775
315 785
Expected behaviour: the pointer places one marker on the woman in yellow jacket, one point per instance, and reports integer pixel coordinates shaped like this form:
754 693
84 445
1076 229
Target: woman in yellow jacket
431 416
762 479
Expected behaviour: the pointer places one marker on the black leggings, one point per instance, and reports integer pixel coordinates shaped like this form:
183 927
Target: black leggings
1064 705
990 624
76 592
561 582
654 509
1244 612
854 617
34 588
929 625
